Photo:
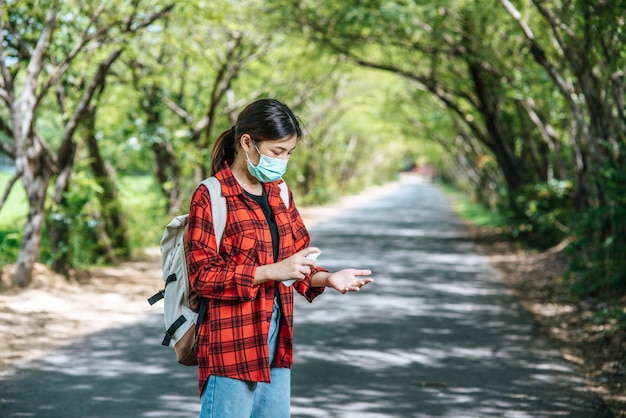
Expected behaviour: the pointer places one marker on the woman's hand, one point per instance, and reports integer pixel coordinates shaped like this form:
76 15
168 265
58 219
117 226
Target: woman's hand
348 280
295 267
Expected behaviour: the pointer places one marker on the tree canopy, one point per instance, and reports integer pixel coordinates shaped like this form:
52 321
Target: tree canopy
520 104
535 93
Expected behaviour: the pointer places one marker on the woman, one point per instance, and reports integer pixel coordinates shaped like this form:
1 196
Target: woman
245 340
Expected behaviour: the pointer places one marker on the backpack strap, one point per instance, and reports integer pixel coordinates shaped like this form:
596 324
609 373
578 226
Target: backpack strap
284 193
218 210
218 207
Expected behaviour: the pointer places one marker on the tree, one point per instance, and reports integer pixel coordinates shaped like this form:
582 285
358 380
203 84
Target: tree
539 86
184 83
59 231
587 69
443 50
32 63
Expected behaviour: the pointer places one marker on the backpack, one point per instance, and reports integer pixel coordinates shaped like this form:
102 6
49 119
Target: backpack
184 309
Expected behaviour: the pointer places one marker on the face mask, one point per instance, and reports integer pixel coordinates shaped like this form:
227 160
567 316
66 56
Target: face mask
268 169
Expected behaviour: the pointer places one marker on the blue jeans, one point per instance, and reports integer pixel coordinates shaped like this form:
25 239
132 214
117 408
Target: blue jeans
224 397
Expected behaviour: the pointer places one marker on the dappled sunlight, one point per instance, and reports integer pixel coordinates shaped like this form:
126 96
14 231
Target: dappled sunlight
106 374
464 290
117 366
436 334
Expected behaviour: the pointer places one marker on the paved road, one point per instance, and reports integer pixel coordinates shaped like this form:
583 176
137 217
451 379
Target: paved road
437 335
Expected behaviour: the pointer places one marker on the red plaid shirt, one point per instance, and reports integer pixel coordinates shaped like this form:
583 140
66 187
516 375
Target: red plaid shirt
232 339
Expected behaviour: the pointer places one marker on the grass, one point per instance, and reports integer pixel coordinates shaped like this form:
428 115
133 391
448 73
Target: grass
145 210
16 207
12 217
471 211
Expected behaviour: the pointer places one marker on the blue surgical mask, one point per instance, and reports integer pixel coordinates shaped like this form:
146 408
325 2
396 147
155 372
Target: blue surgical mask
268 169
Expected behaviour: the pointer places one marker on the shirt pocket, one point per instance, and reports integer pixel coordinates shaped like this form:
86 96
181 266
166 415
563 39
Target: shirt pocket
241 247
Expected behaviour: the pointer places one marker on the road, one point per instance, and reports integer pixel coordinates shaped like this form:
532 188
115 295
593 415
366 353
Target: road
437 335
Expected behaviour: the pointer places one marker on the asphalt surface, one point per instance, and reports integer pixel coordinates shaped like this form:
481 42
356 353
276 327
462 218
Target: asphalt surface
437 335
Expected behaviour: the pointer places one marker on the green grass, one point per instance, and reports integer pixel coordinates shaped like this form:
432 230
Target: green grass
12 217
473 212
16 207
145 210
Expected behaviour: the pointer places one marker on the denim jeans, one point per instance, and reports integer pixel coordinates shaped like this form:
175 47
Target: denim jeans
224 397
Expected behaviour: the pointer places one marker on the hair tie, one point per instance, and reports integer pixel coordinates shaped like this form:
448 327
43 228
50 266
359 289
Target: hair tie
232 131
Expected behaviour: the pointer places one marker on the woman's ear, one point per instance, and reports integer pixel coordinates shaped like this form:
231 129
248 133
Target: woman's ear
246 142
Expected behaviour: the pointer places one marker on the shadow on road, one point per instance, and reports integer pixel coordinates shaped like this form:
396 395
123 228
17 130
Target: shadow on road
120 372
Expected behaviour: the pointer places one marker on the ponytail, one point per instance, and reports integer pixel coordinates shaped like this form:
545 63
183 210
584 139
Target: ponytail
223 150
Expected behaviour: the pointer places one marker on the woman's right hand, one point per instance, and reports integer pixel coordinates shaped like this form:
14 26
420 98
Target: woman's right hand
297 267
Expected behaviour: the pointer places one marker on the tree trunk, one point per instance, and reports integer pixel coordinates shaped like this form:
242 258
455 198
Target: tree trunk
36 178
33 158
168 175
167 167
113 237
59 226
498 137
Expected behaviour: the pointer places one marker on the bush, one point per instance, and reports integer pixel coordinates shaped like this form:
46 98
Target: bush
10 240
142 205
543 215
599 248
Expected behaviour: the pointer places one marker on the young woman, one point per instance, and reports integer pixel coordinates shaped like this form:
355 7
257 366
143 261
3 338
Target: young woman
245 340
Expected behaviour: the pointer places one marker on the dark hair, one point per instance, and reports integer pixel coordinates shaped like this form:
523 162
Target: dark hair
263 120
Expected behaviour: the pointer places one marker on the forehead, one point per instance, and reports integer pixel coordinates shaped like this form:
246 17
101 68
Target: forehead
288 143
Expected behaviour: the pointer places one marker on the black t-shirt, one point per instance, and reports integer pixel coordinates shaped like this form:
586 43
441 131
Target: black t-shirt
269 216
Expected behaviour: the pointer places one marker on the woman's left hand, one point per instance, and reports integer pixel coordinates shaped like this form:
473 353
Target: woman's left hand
349 280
